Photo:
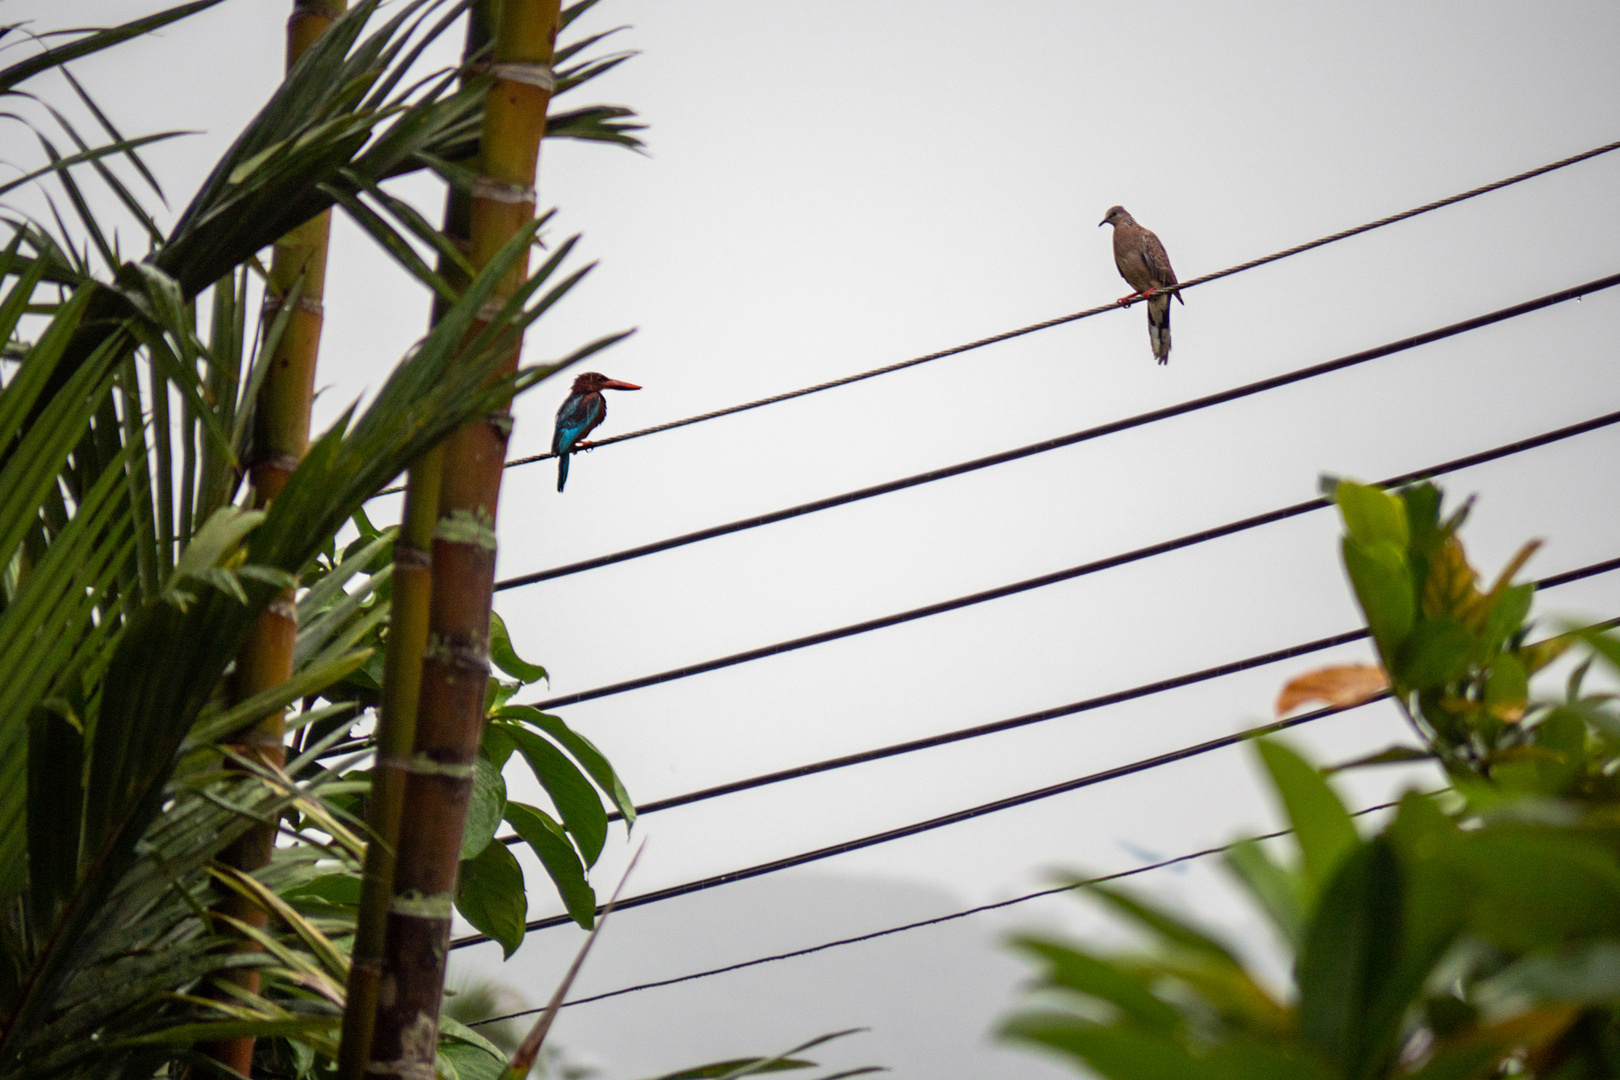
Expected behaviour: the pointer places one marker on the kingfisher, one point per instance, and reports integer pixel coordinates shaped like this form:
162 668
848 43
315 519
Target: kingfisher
1146 268
583 409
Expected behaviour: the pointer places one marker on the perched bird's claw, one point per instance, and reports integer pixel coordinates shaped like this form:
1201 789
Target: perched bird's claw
584 446
1127 301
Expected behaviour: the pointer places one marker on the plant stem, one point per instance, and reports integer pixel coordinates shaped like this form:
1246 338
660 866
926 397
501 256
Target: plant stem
402 670
455 667
281 438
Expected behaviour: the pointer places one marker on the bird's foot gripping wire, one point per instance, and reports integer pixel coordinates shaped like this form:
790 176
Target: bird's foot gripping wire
1131 298
584 446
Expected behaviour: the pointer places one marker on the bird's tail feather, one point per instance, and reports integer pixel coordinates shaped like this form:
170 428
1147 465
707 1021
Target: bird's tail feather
1159 327
562 469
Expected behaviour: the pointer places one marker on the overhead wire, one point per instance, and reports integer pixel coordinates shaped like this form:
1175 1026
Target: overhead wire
921 923
1116 697
1069 574
1061 320
956 817
1061 441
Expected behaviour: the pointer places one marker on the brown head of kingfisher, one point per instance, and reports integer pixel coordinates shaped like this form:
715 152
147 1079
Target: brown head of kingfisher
581 411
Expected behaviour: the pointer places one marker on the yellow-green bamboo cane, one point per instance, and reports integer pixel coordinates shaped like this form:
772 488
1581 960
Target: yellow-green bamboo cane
281 438
402 673
455 668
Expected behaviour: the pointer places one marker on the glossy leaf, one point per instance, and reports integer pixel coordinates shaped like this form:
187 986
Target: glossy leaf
1323 827
584 751
1084 974
490 896
505 657
1371 515
550 845
485 808
571 793
1350 952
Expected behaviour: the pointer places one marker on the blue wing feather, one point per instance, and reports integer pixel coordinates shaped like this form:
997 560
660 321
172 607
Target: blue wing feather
575 419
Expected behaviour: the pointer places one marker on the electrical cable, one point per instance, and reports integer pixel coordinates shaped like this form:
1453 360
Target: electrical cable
1045 445
1076 316
954 818
1116 697
958 816
921 923
1069 574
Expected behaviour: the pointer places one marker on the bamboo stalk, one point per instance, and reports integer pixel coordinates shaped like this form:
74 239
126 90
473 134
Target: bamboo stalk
402 670
280 440
455 667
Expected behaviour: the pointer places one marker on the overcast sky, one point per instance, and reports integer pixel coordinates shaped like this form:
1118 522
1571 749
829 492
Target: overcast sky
836 186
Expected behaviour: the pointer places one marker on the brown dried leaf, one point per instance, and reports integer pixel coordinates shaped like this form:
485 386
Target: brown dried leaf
1450 589
1349 684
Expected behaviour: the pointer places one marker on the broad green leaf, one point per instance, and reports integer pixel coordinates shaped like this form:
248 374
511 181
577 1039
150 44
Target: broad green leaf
1124 989
1507 688
1351 950
1534 887
576 801
490 896
1383 588
1508 612
1279 891
1118 1053
1372 516
584 751
485 808
1321 824
550 845
1175 932
1437 653
472 1062
503 656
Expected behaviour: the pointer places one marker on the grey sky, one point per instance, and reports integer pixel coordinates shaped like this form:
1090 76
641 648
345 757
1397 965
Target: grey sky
836 186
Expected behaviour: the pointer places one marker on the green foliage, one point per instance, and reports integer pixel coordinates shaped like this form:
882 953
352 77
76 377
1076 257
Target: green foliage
131 572
1471 937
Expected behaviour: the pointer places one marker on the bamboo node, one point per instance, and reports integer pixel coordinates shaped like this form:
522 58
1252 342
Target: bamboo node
423 765
470 656
487 187
466 527
411 904
531 74
283 608
273 304
412 558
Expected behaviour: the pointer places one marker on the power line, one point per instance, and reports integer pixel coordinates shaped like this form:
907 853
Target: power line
1116 697
1181 409
1059 321
1073 572
1062 319
958 816
954 818
921 923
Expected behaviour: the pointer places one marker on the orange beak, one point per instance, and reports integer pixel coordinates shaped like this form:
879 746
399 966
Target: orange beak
615 384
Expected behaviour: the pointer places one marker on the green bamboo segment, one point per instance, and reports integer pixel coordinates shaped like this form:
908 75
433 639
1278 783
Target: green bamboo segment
402 670
280 441
455 666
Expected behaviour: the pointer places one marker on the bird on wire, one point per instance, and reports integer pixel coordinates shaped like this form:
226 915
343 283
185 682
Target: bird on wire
581 411
1146 268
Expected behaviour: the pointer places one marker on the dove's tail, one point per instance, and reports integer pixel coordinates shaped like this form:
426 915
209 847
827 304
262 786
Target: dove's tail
1159 327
